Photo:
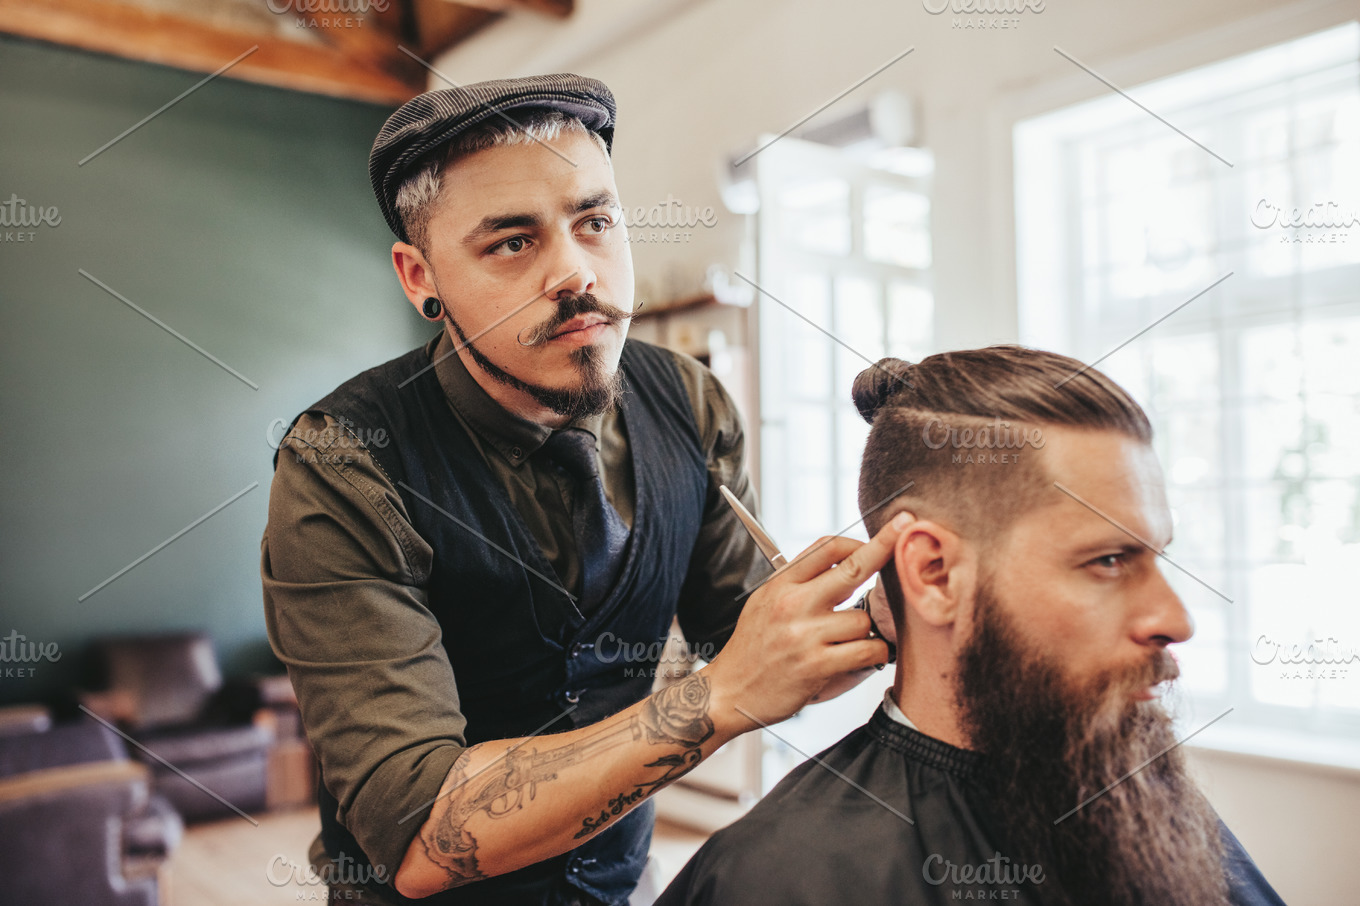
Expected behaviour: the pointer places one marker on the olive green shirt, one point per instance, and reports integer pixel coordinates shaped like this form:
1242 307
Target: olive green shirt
346 578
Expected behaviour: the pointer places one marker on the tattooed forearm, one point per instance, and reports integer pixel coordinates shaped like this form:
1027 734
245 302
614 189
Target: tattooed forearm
679 713
676 716
497 790
448 844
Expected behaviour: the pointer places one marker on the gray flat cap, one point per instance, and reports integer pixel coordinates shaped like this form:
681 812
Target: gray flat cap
429 120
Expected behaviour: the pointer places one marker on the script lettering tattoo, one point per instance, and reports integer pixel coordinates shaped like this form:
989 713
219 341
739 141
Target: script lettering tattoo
677 715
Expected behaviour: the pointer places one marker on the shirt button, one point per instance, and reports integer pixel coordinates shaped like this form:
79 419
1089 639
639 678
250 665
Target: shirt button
516 452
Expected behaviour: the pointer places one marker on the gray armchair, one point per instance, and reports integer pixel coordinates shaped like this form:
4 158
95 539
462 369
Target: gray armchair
81 822
167 692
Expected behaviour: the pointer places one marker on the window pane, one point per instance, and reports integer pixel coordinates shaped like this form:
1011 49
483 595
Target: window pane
848 521
1334 436
1189 448
851 433
809 432
1272 438
808 350
811 511
1197 519
1331 355
1204 659
1129 369
1185 369
1277 617
1271 365
1302 645
1157 223
911 320
1276 513
897 226
1253 389
859 327
816 214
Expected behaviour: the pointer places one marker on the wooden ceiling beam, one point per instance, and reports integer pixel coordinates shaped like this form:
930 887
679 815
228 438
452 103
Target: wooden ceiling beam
354 55
441 25
558 9
141 34
371 39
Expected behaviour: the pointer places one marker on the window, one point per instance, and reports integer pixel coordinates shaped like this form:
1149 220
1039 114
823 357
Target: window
844 247
1245 254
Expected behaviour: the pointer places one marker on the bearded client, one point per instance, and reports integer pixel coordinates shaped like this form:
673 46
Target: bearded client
1023 753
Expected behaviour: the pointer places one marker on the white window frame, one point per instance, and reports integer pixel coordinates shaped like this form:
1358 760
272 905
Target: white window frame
782 491
1259 729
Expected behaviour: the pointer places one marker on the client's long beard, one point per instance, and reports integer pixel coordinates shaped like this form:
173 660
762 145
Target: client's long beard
1151 838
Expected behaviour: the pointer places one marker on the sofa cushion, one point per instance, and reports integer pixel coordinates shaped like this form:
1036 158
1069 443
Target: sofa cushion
170 679
205 743
65 744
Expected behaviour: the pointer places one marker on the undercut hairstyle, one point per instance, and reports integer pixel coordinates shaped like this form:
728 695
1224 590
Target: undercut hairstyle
420 189
957 438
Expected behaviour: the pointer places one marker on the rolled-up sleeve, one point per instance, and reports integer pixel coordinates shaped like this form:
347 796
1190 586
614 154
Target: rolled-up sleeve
345 604
725 564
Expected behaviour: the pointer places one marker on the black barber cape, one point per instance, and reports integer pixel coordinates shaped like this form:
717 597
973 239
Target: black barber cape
819 838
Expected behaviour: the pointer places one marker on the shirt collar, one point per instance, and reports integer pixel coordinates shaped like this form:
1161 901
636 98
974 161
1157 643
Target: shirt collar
924 749
513 437
891 709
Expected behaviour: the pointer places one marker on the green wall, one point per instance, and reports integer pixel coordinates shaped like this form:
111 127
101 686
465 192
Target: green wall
242 218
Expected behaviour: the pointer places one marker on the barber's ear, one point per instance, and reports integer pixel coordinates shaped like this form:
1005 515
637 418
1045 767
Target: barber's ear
931 570
414 272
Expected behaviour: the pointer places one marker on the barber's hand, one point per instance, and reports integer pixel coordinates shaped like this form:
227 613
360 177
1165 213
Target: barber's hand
790 642
881 612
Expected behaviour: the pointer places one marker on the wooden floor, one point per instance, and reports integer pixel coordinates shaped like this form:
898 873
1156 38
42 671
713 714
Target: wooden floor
228 863
233 862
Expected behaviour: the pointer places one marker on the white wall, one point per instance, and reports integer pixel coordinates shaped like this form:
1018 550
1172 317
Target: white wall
698 82
1300 823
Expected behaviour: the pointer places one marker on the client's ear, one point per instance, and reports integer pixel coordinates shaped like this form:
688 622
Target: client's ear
932 570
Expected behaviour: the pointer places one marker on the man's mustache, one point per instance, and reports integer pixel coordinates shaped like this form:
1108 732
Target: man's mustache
1161 667
574 306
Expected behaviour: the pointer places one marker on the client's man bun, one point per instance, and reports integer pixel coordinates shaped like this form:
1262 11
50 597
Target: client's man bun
875 385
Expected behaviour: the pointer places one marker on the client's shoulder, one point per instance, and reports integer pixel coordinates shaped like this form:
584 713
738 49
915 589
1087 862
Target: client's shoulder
806 838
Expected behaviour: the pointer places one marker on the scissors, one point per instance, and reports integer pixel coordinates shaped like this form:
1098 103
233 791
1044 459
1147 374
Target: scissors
771 550
761 537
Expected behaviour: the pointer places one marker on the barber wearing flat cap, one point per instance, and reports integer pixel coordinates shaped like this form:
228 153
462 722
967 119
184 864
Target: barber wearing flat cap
469 545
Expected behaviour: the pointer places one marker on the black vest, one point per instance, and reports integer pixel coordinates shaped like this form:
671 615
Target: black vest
521 651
